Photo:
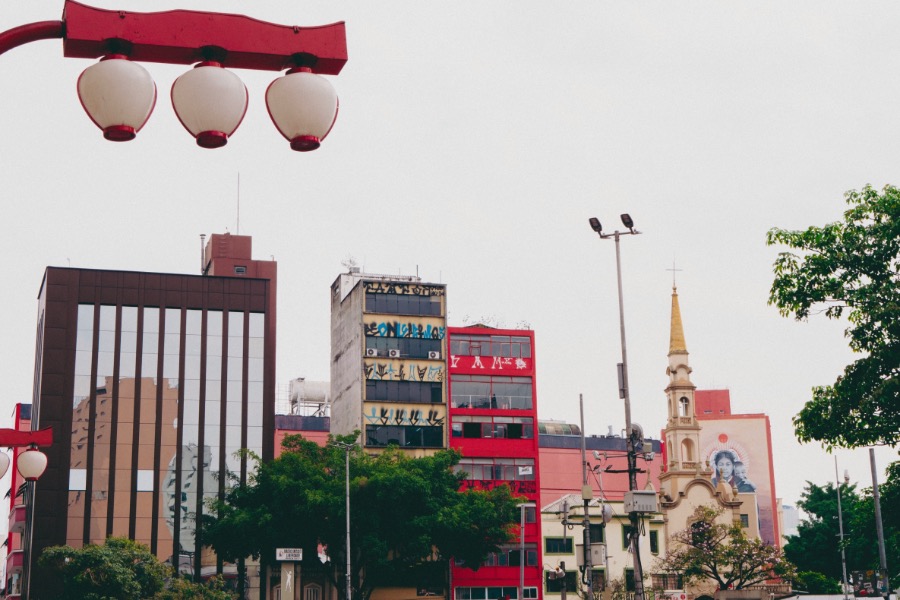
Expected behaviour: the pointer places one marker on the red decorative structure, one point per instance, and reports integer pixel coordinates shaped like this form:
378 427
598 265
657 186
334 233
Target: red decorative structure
190 37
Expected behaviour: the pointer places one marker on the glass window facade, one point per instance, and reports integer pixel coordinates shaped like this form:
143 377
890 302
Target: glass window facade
491 392
404 304
497 469
511 346
493 426
164 400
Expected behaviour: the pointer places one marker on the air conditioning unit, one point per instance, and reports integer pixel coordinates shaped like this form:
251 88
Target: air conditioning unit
371 352
434 354
394 353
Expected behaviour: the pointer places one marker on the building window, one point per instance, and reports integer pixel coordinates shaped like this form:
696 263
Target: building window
77 480
408 347
598 533
493 427
667 581
684 406
405 436
508 556
629 580
487 392
497 469
654 541
145 480
404 304
418 392
555 545
491 345
240 270
745 520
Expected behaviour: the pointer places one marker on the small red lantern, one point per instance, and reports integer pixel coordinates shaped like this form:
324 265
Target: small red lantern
210 102
303 106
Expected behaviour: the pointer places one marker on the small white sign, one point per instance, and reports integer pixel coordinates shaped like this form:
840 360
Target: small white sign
289 554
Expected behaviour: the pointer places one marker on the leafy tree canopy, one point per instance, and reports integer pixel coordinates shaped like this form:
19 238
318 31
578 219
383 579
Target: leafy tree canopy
850 267
816 583
120 568
723 553
816 546
406 514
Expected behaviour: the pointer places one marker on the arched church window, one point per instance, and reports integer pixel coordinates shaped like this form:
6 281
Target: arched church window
684 406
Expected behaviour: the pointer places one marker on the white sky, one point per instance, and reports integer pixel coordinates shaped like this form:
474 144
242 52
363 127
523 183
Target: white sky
474 141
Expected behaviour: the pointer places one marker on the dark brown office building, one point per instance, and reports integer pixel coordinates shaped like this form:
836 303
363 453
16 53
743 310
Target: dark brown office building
152 383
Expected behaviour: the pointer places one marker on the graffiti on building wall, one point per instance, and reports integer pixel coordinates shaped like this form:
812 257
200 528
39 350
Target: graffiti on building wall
401 415
490 363
396 370
517 487
411 289
397 329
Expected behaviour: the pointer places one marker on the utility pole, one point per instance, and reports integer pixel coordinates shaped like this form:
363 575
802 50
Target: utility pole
586 495
885 581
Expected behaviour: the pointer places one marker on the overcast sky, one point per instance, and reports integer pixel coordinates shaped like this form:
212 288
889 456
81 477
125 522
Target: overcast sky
473 143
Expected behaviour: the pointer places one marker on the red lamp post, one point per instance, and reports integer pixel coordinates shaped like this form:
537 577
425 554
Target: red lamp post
210 101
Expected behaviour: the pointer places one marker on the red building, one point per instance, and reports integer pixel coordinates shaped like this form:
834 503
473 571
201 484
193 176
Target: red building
14 553
493 422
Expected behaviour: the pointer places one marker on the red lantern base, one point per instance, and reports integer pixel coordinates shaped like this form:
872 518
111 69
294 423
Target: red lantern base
211 139
305 143
119 133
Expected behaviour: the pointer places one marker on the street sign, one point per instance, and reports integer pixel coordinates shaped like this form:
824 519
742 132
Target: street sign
289 554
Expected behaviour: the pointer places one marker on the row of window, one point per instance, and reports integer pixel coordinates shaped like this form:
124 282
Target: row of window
664 581
513 428
404 304
508 556
485 391
421 392
405 436
494 592
491 345
564 545
407 347
497 469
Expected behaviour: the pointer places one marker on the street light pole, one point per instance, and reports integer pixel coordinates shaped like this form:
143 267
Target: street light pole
347 448
522 508
841 527
634 534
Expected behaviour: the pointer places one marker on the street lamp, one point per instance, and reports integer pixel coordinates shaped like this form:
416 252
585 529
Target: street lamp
522 508
30 463
119 95
631 431
841 524
347 447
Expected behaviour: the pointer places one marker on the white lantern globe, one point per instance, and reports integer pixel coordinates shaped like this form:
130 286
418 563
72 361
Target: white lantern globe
210 102
303 106
31 464
118 95
4 463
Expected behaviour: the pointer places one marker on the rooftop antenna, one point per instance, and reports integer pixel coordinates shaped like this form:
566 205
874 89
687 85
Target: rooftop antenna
202 253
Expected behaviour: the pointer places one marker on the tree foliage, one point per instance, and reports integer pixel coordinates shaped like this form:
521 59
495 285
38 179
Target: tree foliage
816 546
407 514
852 268
722 553
120 568
812 582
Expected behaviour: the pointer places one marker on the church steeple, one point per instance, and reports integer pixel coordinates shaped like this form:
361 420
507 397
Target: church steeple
676 335
682 429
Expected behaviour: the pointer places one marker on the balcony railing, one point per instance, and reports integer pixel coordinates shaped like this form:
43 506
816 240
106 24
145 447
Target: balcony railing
17 519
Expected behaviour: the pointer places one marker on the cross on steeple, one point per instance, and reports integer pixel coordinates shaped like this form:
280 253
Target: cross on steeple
673 269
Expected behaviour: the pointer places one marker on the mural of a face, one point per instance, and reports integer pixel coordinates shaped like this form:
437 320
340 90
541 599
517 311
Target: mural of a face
724 466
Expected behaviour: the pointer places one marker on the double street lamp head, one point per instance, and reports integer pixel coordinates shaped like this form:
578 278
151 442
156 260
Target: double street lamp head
627 221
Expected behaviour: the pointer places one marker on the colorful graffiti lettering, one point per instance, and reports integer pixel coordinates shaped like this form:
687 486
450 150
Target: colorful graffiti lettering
385 371
498 363
403 416
412 289
396 329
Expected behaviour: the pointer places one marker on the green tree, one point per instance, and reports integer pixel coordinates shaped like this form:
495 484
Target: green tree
816 546
852 268
407 514
722 553
121 568
816 583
